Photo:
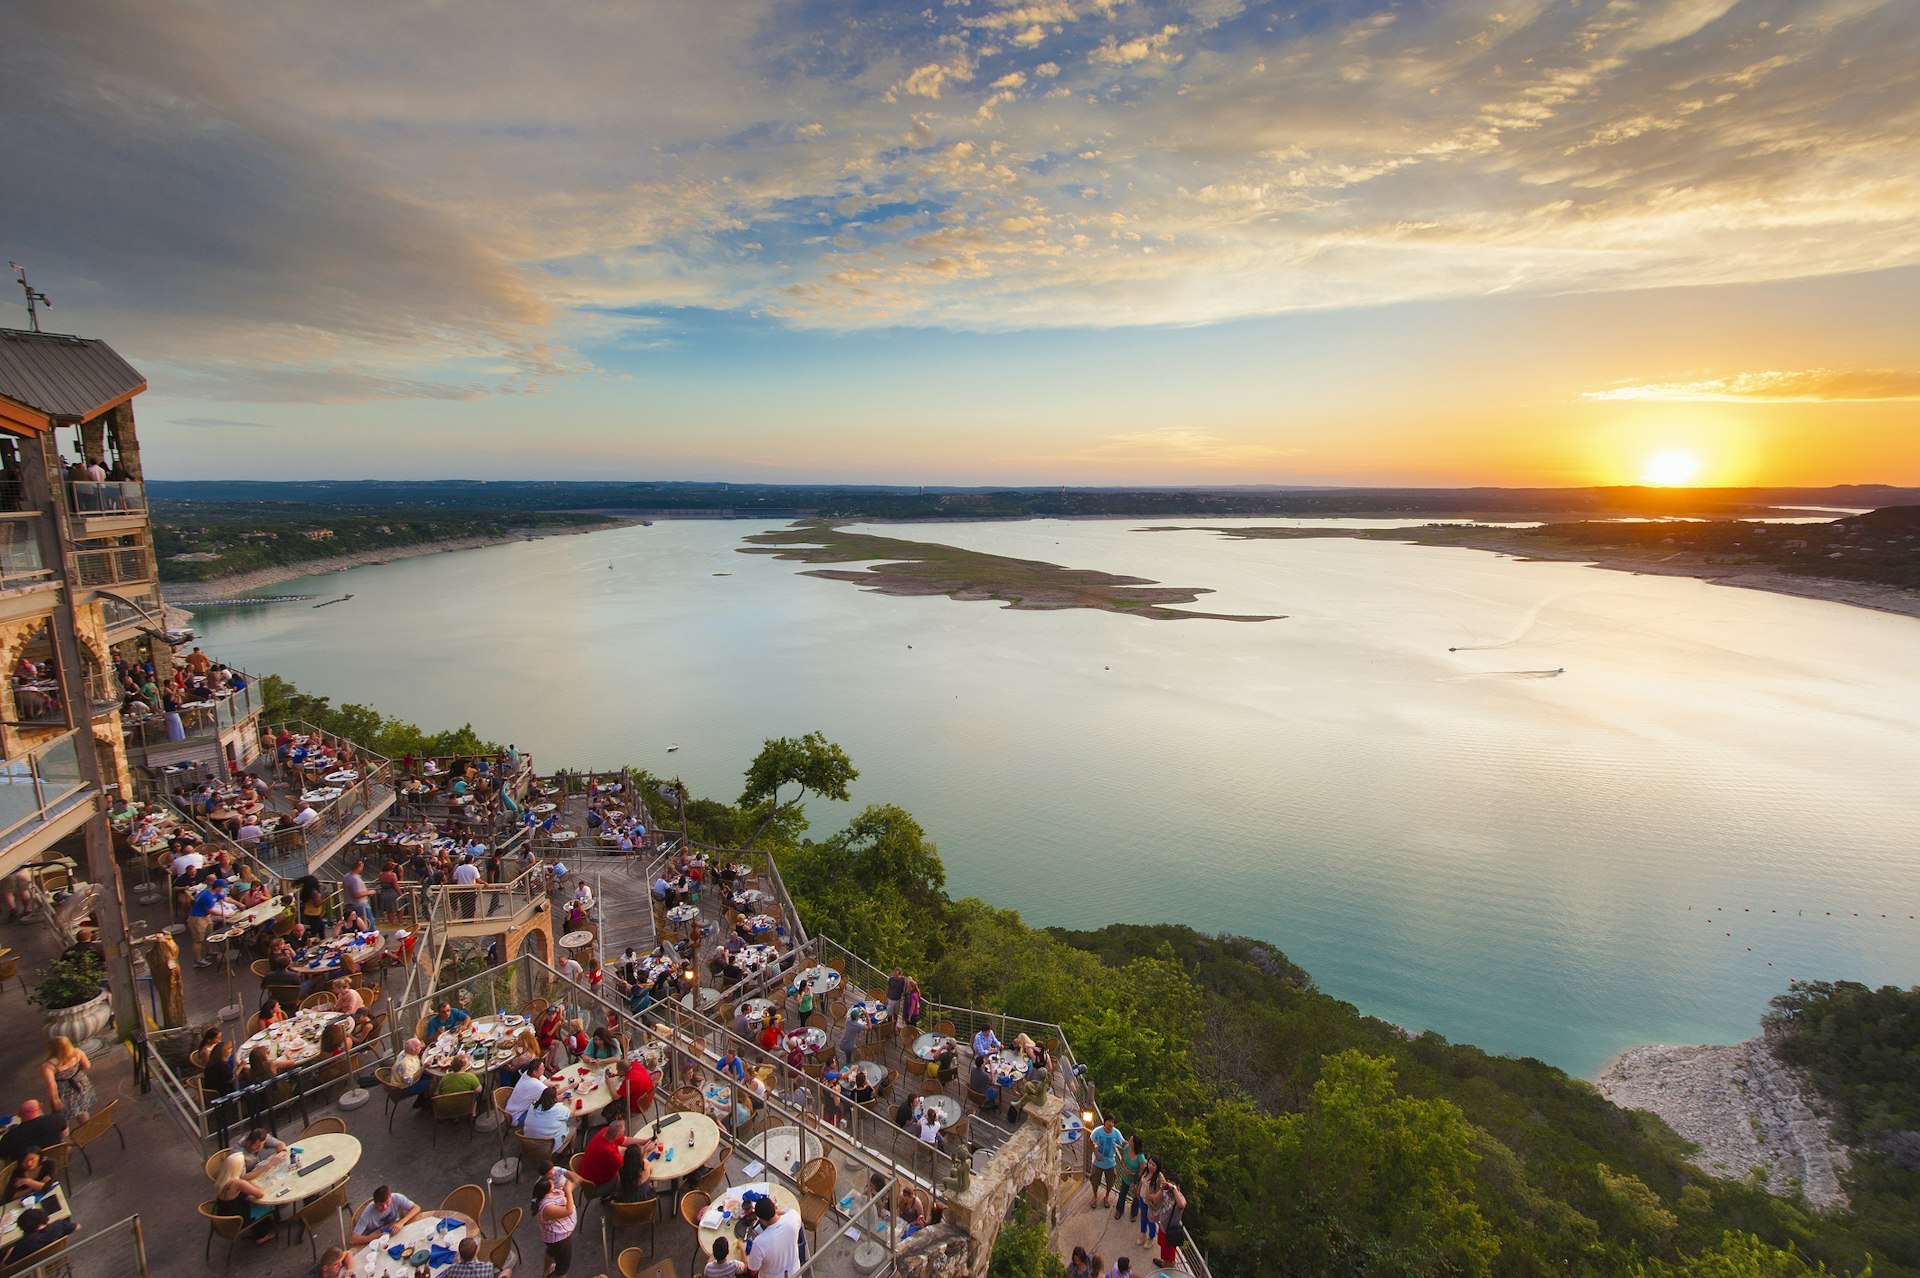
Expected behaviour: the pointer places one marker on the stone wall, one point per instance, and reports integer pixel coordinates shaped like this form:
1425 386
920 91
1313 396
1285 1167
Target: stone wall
1031 1157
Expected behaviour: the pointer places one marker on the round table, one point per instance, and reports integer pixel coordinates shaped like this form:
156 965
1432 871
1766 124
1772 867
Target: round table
946 1106
781 1147
753 958
1008 1066
325 794
693 1138
343 776
709 998
747 898
583 1088
929 1046
811 1038
543 808
760 924
730 1200
296 1039
576 940
868 1011
873 1071
375 1260
324 959
488 1043
284 1185
719 1099
683 914
756 1010
822 978
563 836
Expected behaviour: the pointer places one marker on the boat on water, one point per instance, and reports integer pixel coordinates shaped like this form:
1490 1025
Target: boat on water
673 747
646 523
329 602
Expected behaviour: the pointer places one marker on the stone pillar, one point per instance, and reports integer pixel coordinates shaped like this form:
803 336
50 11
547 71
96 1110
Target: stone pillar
1031 1157
93 440
125 441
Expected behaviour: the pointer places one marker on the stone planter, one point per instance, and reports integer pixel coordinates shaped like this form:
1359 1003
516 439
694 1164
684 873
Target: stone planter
83 1023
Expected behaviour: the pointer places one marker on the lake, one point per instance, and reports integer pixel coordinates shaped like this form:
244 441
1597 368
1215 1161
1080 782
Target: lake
1716 795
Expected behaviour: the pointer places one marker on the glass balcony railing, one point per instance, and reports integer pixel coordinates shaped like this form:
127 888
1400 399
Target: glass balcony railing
20 561
120 566
112 497
34 784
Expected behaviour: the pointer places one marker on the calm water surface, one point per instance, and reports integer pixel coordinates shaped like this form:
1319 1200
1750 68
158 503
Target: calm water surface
1716 794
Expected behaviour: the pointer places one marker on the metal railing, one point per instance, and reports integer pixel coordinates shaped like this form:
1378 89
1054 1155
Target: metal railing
308 845
109 497
21 563
119 565
35 784
118 1250
198 721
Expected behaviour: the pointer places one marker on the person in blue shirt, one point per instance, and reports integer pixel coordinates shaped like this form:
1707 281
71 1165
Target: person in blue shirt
1107 1140
201 916
731 1065
445 1017
986 1042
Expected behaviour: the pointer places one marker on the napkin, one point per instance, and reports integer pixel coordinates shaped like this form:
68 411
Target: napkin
397 1250
712 1218
448 1223
438 1255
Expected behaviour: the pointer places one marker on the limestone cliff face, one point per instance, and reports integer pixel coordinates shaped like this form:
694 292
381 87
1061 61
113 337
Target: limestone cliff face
1742 1108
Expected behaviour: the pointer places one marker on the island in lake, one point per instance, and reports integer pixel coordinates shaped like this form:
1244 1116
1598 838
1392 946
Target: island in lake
927 568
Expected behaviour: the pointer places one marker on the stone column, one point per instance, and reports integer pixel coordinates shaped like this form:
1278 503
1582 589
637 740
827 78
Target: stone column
125 441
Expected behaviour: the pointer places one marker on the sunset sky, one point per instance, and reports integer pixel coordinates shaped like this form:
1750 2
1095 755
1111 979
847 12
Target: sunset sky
981 241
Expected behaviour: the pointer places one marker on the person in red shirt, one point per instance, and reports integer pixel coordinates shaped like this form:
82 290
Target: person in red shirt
770 1036
600 1163
637 1090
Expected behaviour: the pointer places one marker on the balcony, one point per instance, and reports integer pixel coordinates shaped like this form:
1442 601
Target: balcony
20 562
118 566
39 787
111 499
201 720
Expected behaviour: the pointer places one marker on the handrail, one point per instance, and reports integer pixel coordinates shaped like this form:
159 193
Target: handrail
21 563
52 771
108 497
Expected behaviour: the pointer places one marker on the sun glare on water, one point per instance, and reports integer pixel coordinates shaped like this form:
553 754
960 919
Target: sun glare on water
1670 468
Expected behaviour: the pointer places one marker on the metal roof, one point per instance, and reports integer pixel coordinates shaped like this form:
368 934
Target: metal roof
62 376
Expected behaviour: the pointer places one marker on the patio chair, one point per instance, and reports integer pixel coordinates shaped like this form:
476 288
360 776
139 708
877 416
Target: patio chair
58 1247
56 1158
93 1129
714 1178
316 1002
536 1151
693 1205
311 1218
396 1093
331 1125
461 1106
470 1201
501 1095
820 1177
499 1250
813 1210
629 1216
213 1163
218 1226
259 968
632 1258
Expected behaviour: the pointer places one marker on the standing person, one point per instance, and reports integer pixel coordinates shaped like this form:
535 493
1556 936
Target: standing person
1149 1195
1172 1222
896 994
1106 1140
353 889
69 1085
1133 1160
558 1219
911 1010
849 1040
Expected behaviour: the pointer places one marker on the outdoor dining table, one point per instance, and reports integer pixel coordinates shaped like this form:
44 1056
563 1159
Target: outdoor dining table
325 794
543 808
655 966
487 1041
823 980
295 1039
946 1106
444 1229
576 940
756 1010
709 998
873 1071
809 1038
690 1138
52 1200
868 1011
752 958
325 1161
1008 1066
564 836
747 898
343 776
781 1147
760 924
253 916
683 914
583 1088
728 1207
325 958
929 1046
719 1098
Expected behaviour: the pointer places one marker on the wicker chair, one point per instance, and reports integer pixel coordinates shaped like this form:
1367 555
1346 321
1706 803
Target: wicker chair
461 1106
93 1129
500 1250
813 1210
469 1200
820 1177
396 1093
631 1259
316 1002
316 1214
218 1226
58 1247
331 1125
693 1205
629 1216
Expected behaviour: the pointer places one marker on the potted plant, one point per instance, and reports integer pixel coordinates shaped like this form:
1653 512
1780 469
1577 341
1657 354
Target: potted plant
72 992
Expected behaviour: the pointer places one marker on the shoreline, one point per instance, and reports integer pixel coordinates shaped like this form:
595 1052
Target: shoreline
180 596
1857 594
1744 1110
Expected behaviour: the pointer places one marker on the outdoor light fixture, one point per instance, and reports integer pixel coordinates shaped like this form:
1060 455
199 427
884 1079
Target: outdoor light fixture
1086 1116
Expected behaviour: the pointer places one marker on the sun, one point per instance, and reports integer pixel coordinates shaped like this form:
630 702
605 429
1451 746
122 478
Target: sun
1670 468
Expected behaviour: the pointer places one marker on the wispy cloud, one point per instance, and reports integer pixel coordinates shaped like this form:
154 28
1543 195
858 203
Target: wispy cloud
219 423
258 189
1803 386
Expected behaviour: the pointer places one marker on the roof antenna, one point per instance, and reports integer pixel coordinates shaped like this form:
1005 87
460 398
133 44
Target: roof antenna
34 300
